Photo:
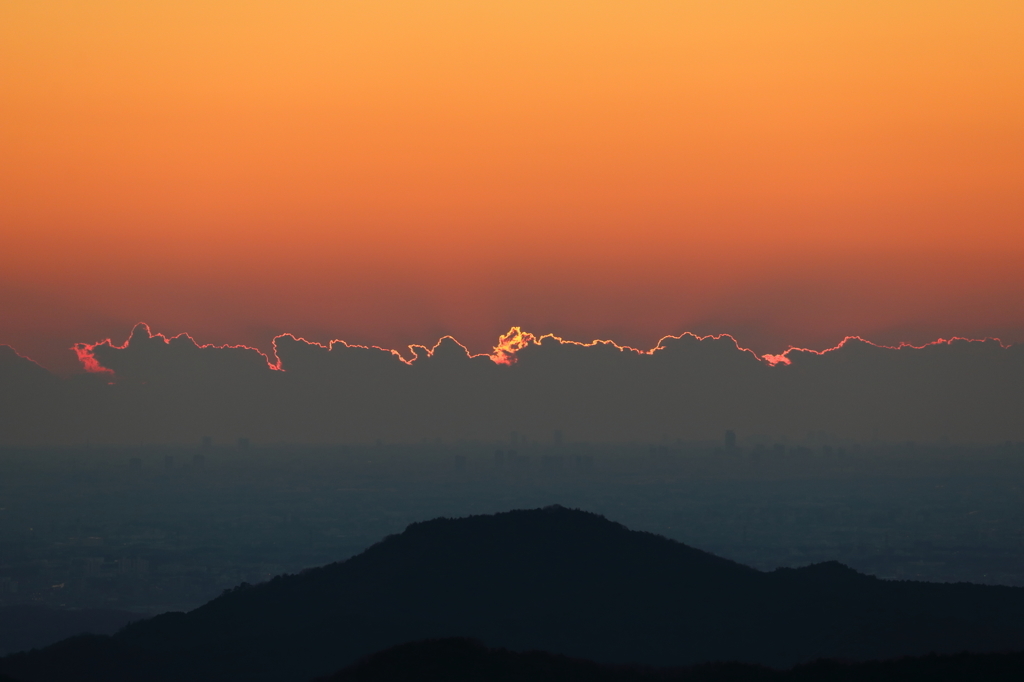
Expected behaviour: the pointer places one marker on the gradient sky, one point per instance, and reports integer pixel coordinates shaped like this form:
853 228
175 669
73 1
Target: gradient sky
388 172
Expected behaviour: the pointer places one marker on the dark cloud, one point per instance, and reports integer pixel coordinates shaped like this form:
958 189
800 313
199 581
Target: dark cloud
158 389
29 399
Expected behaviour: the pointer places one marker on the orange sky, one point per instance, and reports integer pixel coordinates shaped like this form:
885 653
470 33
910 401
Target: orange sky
388 172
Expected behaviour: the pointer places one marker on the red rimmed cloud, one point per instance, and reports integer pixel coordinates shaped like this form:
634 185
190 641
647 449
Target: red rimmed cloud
157 388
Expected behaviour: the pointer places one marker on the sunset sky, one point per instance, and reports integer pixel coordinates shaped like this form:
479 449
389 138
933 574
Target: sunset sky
390 172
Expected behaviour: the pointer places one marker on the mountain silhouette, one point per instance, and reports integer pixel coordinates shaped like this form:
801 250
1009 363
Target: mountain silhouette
467 660
553 579
25 626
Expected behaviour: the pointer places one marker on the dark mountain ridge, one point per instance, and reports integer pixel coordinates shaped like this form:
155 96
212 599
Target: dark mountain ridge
551 579
465 660
25 626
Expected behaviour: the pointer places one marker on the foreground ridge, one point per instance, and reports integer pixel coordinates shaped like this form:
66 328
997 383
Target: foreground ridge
468 660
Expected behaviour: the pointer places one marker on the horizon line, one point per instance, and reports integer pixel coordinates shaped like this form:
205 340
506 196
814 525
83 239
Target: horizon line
504 353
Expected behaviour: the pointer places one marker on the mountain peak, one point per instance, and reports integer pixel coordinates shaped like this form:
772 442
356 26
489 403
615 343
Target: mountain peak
556 579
